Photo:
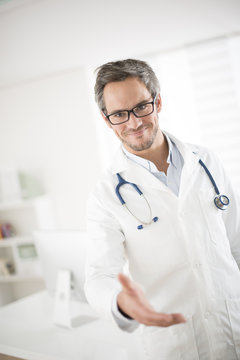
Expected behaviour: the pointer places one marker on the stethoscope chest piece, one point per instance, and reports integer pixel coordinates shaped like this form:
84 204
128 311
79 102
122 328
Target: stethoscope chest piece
221 202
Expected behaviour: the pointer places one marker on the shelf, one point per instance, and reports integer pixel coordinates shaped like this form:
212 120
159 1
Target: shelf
15 240
25 216
18 278
20 204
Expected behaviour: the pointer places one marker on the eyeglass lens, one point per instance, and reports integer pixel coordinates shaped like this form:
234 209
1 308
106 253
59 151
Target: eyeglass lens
139 111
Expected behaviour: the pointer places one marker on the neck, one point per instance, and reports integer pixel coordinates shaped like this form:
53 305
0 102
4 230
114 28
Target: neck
157 153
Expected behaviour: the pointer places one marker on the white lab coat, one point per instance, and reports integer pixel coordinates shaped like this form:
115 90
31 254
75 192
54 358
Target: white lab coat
187 262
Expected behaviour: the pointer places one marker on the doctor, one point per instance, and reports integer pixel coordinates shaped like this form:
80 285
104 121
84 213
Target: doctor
155 214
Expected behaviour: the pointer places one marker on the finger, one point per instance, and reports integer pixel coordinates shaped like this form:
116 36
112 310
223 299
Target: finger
171 319
164 320
126 283
179 318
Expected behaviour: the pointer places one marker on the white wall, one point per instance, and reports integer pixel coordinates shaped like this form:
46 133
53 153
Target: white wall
46 128
47 131
44 36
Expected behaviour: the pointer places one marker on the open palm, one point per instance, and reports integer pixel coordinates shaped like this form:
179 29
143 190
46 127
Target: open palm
132 301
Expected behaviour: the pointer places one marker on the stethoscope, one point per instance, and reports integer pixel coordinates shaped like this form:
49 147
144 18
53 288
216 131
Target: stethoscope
221 201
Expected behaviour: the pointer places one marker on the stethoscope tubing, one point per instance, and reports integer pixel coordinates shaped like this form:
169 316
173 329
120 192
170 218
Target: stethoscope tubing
220 201
210 176
122 182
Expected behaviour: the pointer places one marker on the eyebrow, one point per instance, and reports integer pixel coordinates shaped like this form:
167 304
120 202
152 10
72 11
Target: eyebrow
120 110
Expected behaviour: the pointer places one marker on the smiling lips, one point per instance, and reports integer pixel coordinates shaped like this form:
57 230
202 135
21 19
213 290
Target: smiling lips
137 132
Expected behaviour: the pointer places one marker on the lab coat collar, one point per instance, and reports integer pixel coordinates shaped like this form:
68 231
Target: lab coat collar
139 175
149 165
190 166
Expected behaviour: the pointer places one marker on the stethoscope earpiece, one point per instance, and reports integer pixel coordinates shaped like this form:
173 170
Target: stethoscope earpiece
140 227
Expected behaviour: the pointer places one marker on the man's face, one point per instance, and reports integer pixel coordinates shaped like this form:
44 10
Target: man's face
137 134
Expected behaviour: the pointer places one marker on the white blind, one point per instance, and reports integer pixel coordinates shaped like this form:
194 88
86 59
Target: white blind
201 92
215 85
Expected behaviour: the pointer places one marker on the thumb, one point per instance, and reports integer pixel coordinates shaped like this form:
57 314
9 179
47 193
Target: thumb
126 282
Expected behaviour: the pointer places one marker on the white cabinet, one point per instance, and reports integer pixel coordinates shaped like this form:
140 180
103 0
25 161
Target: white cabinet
20 273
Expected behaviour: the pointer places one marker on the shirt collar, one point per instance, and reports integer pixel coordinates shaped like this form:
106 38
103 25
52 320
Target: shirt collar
171 159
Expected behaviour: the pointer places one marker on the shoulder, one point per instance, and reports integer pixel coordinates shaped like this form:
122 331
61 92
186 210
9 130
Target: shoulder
211 159
108 181
200 151
103 185
203 152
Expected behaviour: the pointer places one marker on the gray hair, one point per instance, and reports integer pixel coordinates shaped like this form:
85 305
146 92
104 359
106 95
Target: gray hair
121 70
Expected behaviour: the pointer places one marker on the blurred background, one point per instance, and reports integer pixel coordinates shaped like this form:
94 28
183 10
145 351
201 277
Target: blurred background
53 142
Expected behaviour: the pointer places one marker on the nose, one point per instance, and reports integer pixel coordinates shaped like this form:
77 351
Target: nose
134 121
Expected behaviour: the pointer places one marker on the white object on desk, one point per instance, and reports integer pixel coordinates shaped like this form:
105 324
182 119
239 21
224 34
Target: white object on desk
62 256
67 312
62 309
62 249
27 331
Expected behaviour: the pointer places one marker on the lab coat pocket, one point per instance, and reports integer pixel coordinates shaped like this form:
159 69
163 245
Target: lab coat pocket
160 343
233 307
176 342
187 340
213 217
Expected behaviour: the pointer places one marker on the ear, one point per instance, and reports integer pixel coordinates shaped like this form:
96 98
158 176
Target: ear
106 120
158 103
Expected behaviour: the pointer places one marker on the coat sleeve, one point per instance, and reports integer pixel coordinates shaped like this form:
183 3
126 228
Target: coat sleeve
105 257
231 218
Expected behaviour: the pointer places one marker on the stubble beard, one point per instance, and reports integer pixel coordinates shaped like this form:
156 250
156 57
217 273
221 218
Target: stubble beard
144 145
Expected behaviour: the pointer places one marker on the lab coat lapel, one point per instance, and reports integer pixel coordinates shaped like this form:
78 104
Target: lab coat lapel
191 165
135 173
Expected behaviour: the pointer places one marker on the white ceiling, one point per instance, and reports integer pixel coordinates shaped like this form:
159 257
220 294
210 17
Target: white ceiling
40 37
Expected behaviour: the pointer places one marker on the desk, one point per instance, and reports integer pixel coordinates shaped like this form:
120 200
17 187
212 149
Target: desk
27 331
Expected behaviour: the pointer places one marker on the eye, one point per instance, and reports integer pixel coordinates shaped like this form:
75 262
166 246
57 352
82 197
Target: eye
141 107
119 114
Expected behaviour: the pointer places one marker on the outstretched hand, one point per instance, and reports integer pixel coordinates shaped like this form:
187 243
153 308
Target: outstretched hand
133 302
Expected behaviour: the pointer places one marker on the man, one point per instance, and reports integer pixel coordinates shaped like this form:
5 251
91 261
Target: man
171 234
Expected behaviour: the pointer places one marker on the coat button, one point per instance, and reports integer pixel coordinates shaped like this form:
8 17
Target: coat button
182 213
206 315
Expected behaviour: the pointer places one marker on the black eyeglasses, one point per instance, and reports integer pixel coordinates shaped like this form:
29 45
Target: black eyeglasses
141 110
